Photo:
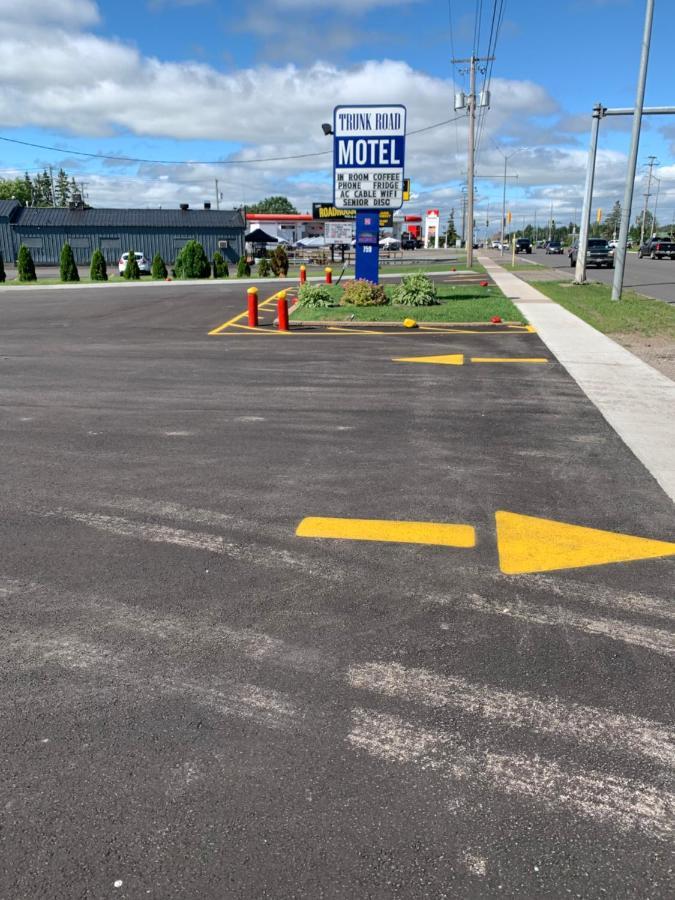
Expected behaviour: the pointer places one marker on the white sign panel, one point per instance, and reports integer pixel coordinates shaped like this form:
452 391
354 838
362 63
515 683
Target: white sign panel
368 157
339 232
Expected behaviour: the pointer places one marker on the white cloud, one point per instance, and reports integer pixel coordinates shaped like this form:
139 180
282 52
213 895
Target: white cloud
63 12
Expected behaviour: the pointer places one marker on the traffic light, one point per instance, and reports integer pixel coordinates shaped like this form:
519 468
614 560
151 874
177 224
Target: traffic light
508 217
598 217
406 189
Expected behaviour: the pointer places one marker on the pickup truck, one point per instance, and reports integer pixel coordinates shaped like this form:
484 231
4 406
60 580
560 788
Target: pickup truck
657 248
599 254
523 245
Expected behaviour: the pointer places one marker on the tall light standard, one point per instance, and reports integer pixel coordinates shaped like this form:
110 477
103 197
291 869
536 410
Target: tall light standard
507 157
656 204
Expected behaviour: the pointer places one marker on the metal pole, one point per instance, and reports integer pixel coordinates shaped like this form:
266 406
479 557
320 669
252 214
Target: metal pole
217 196
501 251
656 204
647 196
471 157
620 252
580 273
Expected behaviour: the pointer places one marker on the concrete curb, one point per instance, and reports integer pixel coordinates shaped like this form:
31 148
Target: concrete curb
635 399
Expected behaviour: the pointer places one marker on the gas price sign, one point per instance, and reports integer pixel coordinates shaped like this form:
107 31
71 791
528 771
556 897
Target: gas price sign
368 157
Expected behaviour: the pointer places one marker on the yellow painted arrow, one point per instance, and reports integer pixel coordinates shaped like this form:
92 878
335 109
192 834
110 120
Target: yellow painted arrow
457 359
529 544
526 544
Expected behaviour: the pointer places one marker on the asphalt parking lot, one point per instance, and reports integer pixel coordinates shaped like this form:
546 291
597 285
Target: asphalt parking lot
226 673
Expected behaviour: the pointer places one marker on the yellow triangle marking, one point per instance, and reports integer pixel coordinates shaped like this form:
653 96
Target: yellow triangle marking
438 534
454 359
529 544
509 359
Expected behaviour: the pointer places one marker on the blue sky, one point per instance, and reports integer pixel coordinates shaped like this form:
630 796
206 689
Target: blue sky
206 80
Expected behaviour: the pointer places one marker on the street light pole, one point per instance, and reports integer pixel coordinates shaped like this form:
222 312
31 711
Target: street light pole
580 272
620 252
651 163
507 157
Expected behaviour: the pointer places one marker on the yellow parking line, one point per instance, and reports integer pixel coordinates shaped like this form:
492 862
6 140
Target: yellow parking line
438 534
517 359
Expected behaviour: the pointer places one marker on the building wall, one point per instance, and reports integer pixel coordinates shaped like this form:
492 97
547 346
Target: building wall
6 240
45 243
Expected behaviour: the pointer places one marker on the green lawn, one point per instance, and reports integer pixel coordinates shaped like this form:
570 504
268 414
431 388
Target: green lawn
632 314
521 266
459 303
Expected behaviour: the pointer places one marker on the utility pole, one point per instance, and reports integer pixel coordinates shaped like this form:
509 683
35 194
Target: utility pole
217 196
651 164
620 253
656 204
470 103
507 157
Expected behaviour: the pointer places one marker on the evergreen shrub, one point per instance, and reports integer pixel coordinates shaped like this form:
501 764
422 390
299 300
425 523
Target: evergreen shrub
243 268
220 267
158 270
68 268
131 270
98 270
25 265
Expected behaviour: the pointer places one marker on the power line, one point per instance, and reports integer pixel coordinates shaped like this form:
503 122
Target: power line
199 162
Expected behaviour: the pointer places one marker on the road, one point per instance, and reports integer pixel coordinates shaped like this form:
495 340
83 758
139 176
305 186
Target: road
203 697
654 278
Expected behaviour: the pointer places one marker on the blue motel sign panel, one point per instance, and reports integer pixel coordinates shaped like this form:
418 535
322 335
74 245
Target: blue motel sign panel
368 157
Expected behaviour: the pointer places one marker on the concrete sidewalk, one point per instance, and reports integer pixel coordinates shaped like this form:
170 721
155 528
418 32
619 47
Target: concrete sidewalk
636 400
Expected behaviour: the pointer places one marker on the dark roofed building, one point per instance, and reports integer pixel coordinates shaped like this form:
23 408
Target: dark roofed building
8 212
114 231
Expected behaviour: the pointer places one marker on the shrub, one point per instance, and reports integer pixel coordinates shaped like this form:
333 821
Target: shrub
192 262
315 295
363 293
243 268
415 290
279 261
264 268
25 265
158 269
3 276
68 268
220 267
98 270
131 270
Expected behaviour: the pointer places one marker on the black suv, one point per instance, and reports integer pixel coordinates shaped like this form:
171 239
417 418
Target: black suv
598 253
523 245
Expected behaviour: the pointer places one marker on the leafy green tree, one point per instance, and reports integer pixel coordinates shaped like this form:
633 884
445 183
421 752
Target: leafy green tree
264 268
277 204
158 269
62 189
220 267
131 270
25 265
16 189
98 270
279 261
68 267
243 268
613 221
192 262
451 232
3 276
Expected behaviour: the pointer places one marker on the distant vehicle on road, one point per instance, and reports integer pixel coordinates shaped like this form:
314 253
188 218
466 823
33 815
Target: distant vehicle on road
598 254
657 248
144 264
554 247
523 245
496 245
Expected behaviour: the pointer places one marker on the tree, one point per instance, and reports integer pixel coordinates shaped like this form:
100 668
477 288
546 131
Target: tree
264 269
16 189
68 267
42 190
25 265
243 268
279 261
158 269
192 262
3 276
62 189
98 270
451 232
280 205
613 221
636 230
220 267
131 270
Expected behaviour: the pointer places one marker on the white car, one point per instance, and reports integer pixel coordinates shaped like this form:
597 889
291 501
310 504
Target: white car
144 264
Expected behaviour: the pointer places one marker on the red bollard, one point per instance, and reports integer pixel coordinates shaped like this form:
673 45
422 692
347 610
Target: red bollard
252 294
282 312
329 276
303 274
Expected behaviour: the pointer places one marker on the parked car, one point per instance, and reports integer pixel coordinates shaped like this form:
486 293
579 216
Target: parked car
598 253
144 264
657 248
523 245
554 247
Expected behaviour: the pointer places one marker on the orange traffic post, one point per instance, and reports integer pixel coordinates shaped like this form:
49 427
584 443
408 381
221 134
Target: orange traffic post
329 276
282 312
252 294
303 274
